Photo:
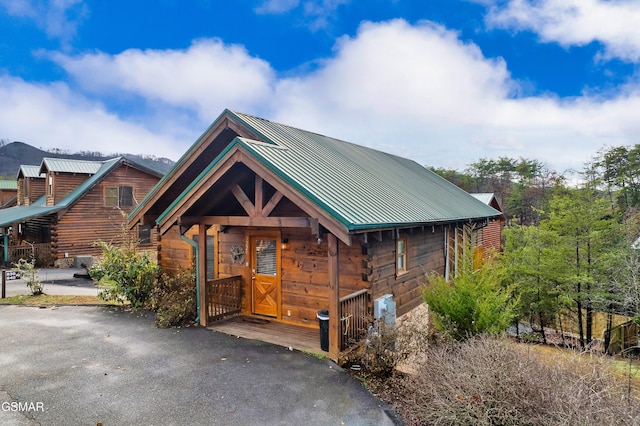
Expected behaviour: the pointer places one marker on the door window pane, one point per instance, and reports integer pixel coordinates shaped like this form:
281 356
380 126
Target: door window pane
266 257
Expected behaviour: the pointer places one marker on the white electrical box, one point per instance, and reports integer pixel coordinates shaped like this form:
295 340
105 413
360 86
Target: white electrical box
385 308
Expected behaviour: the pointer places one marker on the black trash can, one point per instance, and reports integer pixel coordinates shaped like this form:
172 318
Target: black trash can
323 319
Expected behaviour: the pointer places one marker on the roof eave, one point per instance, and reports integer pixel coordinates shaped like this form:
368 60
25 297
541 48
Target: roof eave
365 227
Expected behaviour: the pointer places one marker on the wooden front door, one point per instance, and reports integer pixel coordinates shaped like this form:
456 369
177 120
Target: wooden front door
265 275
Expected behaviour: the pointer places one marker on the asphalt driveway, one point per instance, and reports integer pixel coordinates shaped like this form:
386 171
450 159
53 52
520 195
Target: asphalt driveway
90 365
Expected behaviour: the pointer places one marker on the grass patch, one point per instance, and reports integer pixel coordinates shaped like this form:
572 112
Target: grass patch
105 283
315 355
53 299
625 369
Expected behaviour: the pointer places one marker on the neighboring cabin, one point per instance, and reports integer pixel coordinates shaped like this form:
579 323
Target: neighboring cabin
490 236
30 184
8 193
65 206
289 222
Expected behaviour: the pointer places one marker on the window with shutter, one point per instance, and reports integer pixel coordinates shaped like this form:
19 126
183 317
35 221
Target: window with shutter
266 257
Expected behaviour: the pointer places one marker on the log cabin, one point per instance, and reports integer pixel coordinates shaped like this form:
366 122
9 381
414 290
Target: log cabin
66 206
30 184
489 238
8 193
281 223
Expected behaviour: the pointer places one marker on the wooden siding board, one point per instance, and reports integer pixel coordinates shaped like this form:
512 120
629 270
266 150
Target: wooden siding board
305 277
425 250
88 220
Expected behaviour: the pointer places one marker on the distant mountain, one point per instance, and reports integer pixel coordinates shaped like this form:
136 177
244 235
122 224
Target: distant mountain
15 154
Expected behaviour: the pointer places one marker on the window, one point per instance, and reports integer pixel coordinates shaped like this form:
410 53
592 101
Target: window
401 256
144 234
266 257
121 196
209 252
50 186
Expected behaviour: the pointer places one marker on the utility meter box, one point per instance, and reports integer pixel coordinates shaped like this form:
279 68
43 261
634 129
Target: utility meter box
87 261
385 308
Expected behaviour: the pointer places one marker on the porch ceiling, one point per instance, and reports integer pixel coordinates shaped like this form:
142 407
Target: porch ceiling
219 199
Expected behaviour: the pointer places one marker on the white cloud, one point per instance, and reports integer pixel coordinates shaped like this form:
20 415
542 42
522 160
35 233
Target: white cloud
207 77
276 6
420 92
58 18
413 90
51 116
316 13
576 22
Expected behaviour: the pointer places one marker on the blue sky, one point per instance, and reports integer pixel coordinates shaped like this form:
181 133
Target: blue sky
444 82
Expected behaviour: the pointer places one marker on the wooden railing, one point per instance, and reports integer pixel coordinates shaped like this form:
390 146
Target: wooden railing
355 318
38 251
622 338
224 297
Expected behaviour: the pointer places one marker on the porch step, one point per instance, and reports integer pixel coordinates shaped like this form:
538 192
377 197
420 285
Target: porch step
304 339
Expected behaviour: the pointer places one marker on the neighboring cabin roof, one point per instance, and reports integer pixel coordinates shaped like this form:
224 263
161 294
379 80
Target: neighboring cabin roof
30 172
39 207
359 187
10 202
9 184
485 197
490 199
62 165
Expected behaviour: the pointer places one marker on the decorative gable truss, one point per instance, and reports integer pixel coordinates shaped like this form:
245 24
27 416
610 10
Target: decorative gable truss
258 213
234 179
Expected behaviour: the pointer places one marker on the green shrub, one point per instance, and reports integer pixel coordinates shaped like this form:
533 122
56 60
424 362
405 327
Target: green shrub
474 302
27 270
133 274
174 299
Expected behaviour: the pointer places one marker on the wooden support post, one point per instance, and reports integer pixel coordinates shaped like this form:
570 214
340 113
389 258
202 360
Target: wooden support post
4 283
202 273
334 298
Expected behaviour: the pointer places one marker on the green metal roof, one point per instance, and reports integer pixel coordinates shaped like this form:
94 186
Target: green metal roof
21 213
39 207
30 172
70 166
360 187
9 184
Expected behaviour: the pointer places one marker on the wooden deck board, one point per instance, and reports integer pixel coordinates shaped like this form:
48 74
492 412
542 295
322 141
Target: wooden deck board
288 335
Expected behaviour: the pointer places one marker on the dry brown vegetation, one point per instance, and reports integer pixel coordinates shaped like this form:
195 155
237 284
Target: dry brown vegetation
496 380
488 381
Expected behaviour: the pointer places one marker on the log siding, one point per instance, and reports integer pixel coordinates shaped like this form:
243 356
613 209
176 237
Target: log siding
305 273
89 221
425 254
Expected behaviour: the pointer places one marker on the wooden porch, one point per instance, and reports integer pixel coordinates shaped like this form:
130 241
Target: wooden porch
292 336
223 305
41 252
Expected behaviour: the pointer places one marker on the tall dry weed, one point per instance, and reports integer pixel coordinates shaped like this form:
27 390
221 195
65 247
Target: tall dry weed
489 381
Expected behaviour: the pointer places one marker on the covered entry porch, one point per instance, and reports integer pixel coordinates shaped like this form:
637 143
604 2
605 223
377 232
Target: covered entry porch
223 302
